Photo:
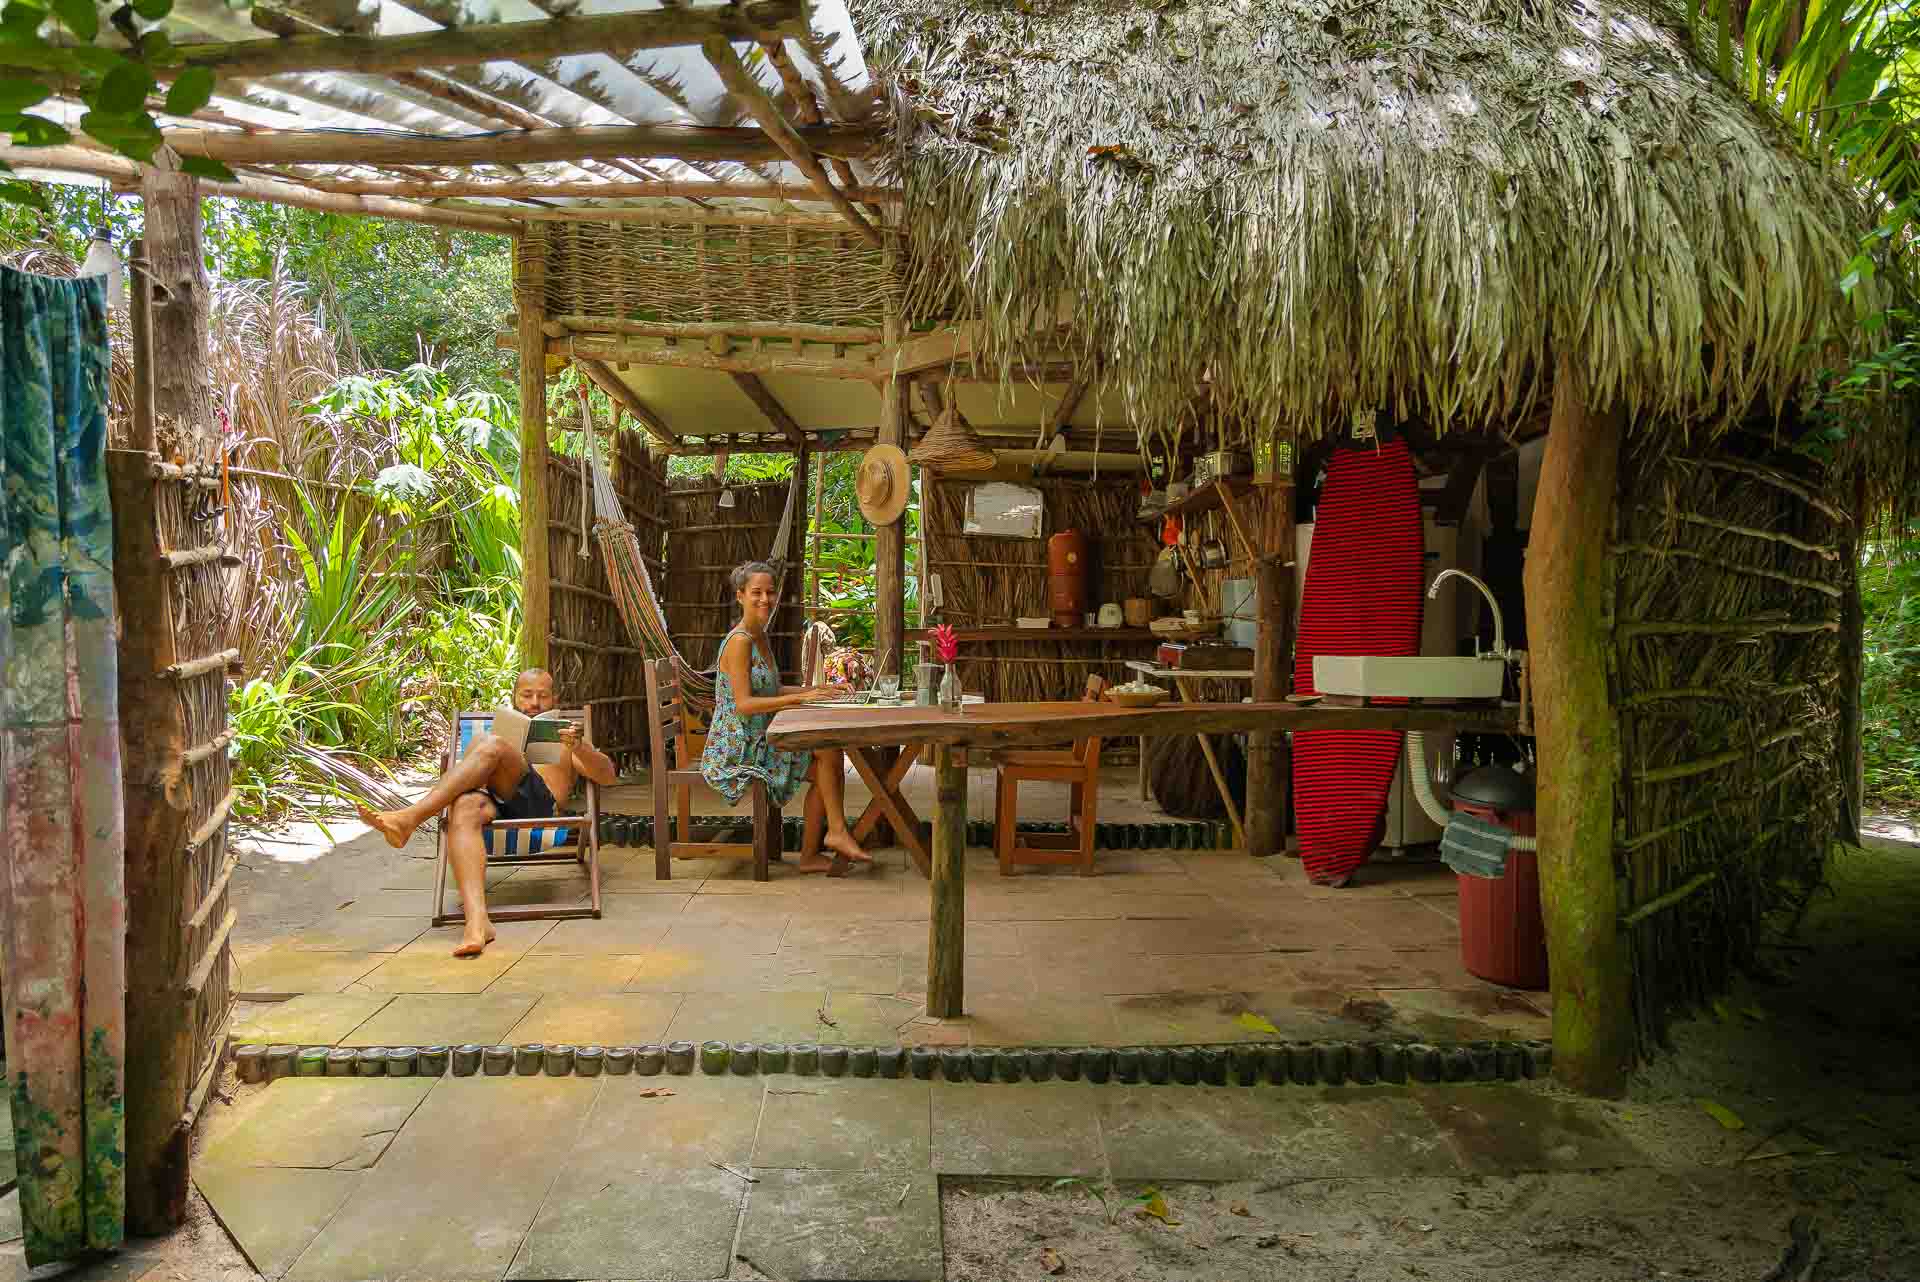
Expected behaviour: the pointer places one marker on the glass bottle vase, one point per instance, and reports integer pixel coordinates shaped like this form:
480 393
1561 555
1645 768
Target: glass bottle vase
950 689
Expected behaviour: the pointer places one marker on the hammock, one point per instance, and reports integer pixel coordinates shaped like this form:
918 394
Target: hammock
632 586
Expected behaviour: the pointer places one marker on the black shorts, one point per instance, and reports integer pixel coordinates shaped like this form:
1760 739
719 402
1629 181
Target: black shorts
531 800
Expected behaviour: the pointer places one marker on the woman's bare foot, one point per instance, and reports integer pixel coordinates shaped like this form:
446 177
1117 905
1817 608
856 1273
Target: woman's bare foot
814 863
391 824
475 941
846 849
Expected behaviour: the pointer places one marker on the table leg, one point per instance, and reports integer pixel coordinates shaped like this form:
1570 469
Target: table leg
1219 777
947 933
888 801
1143 767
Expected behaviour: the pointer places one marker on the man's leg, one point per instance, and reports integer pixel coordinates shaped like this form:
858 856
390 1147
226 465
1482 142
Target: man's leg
490 765
467 853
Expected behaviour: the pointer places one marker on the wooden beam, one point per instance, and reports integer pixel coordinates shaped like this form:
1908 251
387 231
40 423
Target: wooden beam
528 146
770 408
611 190
614 34
743 86
1578 738
792 331
890 547
535 572
627 399
808 109
103 164
936 350
680 358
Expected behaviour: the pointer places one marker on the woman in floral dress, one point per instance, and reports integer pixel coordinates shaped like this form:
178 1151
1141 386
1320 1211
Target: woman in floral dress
747 693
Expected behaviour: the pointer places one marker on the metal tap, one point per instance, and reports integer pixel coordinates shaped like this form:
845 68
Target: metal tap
1499 650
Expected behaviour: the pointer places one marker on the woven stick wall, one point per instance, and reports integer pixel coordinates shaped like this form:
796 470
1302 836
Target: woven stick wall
714 269
705 542
989 582
589 648
1728 587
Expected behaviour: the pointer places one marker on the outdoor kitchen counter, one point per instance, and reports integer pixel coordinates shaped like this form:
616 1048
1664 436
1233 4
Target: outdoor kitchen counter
1036 725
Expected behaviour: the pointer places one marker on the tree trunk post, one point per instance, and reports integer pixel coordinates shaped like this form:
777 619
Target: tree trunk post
1578 739
890 541
173 394
947 932
1269 759
1853 766
529 295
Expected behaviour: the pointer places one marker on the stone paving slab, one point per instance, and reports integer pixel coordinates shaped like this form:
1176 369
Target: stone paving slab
1507 1130
853 1225
536 975
631 928
512 938
456 1193
311 1019
705 1119
621 1223
1230 1133
1021 1128
436 972
664 971
287 972
12 1229
751 1017
274 1214
348 932
443 1019
845 1124
608 1019
316 1122
1014 1020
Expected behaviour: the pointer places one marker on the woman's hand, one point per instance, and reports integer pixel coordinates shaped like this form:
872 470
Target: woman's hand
814 694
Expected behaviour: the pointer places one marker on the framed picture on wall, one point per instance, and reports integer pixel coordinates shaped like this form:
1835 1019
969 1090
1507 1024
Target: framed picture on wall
998 510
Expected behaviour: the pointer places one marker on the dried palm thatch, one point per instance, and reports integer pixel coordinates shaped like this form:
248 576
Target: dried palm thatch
1319 206
1732 689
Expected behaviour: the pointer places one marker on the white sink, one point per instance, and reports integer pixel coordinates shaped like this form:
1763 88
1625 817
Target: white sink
1408 677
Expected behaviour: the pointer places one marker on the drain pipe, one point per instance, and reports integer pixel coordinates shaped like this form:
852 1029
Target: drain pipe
1423 789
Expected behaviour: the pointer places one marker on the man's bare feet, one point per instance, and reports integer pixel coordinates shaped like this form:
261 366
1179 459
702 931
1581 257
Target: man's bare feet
475 942
391 824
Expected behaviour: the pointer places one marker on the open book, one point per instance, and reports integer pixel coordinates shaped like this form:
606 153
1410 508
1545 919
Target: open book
537 738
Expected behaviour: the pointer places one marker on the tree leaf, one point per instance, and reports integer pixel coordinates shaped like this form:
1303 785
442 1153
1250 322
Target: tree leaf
124 91
1050 1261
15 192
209 168
1257 1023
153 10
192 89
1723 1115
38 131
1152 1203
16 95
130 135
79 17
158 50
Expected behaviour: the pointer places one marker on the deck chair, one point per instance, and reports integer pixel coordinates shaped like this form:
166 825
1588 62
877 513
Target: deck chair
517 842
1078 767
666 730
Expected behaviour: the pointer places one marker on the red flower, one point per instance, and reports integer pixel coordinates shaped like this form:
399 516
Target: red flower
945 644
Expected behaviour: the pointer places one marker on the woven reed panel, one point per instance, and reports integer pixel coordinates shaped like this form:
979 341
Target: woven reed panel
1729 760
988 583
592 655
704 543
717 271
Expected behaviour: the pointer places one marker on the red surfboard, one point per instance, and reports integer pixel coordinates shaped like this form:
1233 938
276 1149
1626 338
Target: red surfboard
1362 596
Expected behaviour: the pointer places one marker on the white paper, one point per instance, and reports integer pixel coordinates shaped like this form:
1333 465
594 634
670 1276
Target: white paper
997 509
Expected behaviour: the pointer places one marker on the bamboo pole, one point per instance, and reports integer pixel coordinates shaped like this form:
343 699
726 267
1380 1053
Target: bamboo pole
792 331
615 34
771 409
530 301
1578 739
890 548
662 189
527 146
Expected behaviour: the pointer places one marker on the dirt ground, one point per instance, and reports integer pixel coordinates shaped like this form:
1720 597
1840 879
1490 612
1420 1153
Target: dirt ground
1817 1058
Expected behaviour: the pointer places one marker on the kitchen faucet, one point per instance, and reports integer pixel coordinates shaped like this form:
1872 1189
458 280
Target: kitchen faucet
1499 650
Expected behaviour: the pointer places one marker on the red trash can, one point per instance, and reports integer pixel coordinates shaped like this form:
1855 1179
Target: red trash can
1503 937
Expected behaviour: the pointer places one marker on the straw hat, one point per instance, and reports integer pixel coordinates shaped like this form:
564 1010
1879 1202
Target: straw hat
881 484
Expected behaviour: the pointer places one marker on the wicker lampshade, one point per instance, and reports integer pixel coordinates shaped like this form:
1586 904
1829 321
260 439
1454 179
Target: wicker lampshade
952 446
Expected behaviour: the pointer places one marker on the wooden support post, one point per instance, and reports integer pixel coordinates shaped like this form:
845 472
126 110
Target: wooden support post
947 932
529 293
890 547
1269 759
1853 778
1567 633
160 1022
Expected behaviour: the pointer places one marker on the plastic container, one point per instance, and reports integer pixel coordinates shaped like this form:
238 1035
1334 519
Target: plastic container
1503 937
1067 578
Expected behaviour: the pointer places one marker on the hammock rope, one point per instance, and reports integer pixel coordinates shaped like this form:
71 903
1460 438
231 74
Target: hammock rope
632 585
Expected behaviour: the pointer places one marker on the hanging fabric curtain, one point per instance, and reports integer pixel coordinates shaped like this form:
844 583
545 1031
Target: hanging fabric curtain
62 890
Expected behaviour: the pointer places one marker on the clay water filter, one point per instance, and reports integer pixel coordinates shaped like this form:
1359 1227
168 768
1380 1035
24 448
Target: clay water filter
1067 578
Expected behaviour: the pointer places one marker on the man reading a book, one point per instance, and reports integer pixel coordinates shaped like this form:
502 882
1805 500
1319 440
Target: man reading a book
495 781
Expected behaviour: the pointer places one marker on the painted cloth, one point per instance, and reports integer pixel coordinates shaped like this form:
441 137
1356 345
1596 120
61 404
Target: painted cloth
737 748
63 896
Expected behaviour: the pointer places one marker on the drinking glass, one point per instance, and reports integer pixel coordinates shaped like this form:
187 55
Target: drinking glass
888 688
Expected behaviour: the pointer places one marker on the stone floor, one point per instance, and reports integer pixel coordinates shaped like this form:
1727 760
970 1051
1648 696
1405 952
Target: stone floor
1161 947
321 1179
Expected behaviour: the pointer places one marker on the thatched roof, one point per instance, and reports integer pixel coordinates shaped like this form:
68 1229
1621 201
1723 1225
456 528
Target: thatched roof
1327 205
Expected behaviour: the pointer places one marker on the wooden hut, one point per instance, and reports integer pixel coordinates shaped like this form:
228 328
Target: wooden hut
1149 229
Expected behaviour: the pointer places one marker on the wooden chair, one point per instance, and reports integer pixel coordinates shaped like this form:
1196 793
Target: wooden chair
666 724
1079 767
526 841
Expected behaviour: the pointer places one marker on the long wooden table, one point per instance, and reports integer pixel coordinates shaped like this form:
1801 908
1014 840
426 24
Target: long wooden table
1037 725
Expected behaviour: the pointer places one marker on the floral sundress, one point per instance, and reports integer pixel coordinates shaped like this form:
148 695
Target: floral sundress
737 749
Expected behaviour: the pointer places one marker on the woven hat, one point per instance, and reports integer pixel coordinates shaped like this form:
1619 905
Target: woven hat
881 484
952 446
